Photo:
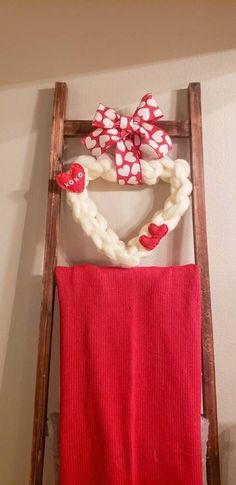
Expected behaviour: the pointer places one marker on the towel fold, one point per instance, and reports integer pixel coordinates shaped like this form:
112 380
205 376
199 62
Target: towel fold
130 375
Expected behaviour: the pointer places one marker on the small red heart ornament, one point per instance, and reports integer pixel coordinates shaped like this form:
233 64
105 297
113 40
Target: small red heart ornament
157 233
73 180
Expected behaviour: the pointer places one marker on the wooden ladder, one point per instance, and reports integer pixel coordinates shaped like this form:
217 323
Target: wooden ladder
61 128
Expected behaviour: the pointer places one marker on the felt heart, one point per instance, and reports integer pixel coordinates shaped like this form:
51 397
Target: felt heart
157 233
73 180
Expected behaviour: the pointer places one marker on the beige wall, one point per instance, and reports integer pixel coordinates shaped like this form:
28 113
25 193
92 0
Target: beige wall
112 52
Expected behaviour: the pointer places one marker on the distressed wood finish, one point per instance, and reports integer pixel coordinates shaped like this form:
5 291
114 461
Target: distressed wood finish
201 258
61 129
79 128
47 303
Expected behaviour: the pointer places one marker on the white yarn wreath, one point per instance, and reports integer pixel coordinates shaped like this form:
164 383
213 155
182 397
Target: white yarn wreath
174 172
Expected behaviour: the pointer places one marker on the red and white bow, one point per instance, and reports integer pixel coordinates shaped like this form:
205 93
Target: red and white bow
128 133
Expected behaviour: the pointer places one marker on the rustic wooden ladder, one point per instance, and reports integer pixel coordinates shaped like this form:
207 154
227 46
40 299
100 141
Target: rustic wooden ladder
61 128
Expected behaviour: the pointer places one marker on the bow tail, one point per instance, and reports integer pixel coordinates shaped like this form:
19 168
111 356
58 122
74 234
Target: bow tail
128 166
156 138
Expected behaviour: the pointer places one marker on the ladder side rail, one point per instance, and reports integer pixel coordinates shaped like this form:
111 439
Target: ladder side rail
201 258
48 287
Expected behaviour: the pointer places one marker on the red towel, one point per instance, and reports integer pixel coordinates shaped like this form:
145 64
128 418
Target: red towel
130 375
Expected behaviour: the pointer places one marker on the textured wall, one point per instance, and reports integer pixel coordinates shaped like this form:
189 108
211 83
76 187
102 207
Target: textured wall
113 53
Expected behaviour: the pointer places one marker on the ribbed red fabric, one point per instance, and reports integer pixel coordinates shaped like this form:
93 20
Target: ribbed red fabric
130 375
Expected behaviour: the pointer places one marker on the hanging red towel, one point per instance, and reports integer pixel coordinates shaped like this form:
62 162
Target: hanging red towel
130 375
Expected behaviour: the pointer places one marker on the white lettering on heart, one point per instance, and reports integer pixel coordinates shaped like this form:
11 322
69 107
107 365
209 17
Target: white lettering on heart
135 168
89 142
144 113
129 157
78 176
124 171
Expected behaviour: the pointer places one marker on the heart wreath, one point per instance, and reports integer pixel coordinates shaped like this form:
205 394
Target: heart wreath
86 168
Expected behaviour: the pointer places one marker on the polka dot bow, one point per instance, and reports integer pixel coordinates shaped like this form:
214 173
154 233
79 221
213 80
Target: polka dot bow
128 133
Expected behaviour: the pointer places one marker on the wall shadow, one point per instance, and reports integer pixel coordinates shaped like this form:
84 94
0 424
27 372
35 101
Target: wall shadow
227 440
42 40
17 392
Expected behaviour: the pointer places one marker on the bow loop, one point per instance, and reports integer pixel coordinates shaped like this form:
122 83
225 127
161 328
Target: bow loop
105 117
128 133
148 109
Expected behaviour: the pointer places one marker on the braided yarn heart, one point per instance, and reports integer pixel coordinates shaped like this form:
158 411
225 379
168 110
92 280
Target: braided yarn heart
85 212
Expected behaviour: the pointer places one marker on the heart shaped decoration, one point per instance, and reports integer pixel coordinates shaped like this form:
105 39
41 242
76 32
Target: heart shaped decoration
73 180
157 233
174 172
